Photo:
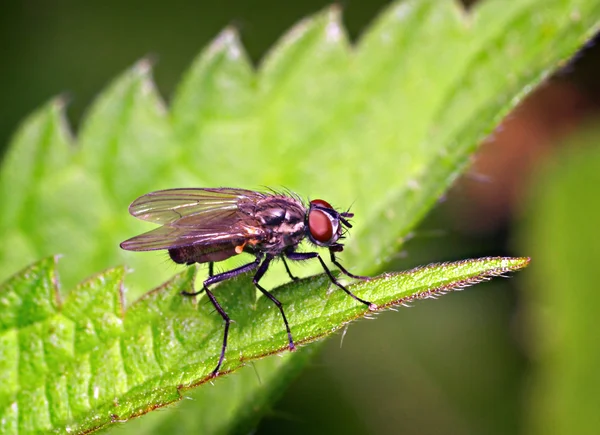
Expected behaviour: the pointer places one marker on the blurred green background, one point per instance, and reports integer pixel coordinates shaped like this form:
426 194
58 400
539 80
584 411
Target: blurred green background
466 364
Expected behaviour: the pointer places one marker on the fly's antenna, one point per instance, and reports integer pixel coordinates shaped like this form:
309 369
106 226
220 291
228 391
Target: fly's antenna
345 221
348 211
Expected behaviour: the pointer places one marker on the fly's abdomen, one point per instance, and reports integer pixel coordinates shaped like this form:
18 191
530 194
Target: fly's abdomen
203 254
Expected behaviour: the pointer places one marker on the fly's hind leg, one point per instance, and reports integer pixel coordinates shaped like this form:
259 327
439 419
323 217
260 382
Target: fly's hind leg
211 266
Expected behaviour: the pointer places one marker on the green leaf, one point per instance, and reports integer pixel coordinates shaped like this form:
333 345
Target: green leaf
84 364
384 126
563 296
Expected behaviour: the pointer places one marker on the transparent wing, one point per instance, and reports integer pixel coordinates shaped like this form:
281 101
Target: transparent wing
168 237
174 206
194 217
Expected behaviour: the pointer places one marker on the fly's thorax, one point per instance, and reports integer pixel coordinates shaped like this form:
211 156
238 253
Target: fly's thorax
283 221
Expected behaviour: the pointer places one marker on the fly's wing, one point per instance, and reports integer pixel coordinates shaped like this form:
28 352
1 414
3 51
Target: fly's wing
193 217
170 237
171 205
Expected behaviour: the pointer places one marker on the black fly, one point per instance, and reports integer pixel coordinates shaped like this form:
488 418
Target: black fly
210 225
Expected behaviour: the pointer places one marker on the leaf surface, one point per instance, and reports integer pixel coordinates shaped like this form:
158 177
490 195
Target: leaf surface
84 363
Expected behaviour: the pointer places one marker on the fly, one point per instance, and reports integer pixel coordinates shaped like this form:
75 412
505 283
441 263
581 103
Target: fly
211 225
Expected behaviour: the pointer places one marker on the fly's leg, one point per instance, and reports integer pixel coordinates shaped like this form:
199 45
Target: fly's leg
343 269
300 256
287 269
225 317
213 280
259 274
211 271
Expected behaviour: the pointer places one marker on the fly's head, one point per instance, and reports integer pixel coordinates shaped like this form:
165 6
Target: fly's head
325 226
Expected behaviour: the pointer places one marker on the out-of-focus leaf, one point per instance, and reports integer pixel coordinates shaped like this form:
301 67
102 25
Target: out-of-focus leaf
563 297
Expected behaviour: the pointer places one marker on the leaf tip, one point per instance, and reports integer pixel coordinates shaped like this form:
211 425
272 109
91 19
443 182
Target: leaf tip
61 101
513 263
333 13
334 29
143 67
227 42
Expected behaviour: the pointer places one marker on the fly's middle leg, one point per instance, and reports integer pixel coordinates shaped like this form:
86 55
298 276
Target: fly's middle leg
259 274
213 280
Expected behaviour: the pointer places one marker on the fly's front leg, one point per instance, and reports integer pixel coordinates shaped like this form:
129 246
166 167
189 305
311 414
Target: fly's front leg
343 269
300 256
211 270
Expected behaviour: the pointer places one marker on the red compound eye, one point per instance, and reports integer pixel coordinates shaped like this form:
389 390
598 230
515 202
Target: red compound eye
321 203
320 226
